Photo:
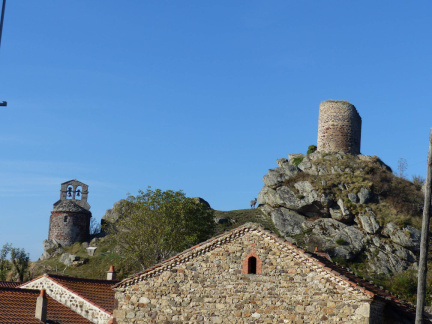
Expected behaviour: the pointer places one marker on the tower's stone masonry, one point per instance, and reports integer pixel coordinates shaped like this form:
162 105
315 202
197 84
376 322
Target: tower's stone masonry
339 127
70 217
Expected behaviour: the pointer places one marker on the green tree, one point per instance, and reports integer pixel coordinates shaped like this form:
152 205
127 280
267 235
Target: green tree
157 224
4 262
20 261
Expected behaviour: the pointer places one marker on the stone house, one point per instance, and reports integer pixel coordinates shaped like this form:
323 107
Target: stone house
90 298
249 275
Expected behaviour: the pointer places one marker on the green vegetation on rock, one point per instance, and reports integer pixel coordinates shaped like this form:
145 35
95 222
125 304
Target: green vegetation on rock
311 149
297 160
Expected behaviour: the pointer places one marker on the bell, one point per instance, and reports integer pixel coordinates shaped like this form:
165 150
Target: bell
78 193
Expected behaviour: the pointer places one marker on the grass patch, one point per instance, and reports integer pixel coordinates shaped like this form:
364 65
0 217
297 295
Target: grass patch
297 160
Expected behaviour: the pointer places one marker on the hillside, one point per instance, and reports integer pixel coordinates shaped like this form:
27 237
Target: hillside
96 266
349 206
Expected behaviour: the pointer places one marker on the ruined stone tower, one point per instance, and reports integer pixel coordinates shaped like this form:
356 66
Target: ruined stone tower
339 127
70 217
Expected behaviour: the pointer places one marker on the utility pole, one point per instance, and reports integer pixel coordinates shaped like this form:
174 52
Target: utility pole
424 242
3 103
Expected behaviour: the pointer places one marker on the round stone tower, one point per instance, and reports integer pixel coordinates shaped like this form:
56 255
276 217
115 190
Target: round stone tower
339 127
70 217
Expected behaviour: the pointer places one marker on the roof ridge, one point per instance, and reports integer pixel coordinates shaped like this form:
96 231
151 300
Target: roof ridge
16 289
52 275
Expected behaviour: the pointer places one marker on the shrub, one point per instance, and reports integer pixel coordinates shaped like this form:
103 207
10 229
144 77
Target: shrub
296 161
341 241
418 181
311 149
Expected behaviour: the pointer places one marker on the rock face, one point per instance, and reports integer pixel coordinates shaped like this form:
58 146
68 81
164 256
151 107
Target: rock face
51 249
325 201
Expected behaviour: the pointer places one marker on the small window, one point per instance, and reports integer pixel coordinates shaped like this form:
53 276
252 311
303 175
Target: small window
65 219
252 265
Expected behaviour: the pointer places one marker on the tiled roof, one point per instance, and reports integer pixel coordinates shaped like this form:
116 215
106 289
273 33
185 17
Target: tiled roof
9 284
98 292
17 306
209 245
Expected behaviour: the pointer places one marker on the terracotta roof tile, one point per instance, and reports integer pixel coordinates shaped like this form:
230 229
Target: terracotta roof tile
98 292
9 284
17 306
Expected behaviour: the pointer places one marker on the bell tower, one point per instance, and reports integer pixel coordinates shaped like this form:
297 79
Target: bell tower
70 217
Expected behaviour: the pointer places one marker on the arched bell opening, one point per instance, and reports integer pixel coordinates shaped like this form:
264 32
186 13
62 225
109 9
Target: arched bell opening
69 192
78 193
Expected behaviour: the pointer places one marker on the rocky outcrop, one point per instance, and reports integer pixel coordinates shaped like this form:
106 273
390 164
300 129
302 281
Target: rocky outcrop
52 248
325 201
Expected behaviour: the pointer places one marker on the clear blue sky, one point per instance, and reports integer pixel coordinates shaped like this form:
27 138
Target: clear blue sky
196 95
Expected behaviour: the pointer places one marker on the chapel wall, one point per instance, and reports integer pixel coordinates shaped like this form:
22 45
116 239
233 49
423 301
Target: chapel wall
68 227
211 288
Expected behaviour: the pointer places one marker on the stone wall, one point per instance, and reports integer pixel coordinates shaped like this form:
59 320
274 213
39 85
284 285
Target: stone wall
339 127
67 227
70 300
211 287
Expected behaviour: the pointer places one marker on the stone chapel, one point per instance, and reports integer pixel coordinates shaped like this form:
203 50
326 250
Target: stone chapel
249 275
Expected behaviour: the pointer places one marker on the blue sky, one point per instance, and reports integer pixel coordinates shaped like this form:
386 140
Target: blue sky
201 96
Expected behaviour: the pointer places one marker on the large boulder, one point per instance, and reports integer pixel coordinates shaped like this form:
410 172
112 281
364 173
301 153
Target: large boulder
303 198
388 257
338 239
368 222
275 178
341 213
364 196
68 259
51 249
200 200
287 221
408 237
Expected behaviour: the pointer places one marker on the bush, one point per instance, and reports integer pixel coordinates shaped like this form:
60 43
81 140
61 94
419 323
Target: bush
341 241
296 161
311 149
418 181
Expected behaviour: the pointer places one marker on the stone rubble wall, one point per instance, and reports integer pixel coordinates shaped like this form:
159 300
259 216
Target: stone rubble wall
70 300
74 229
339 127
211 288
